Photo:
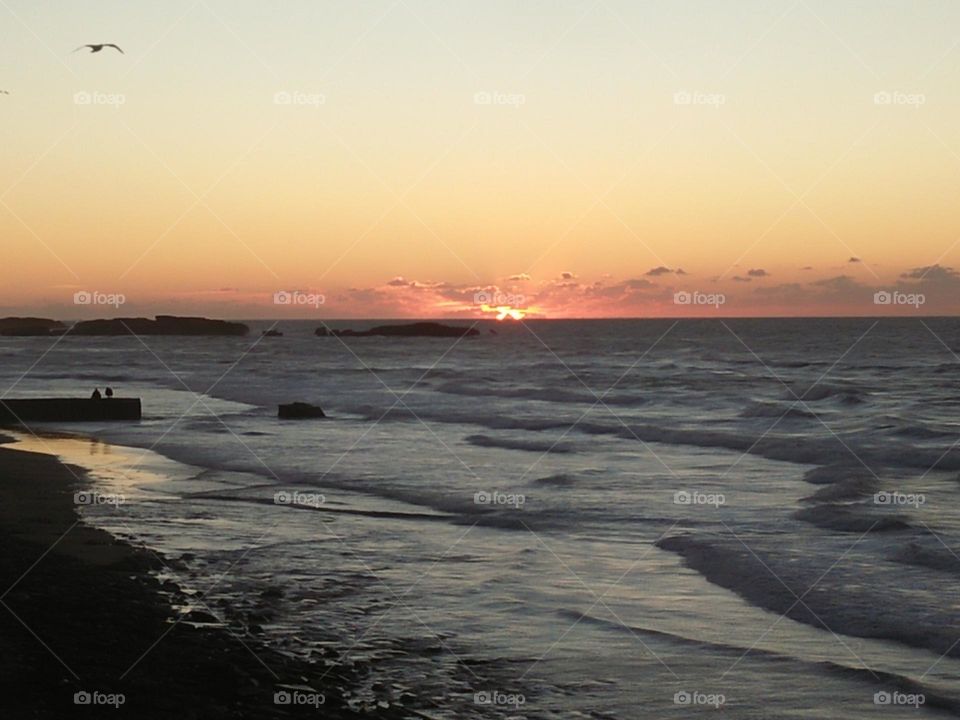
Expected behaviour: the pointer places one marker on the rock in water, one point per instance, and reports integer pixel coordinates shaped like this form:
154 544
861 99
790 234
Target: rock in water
300 411
162 325
30 326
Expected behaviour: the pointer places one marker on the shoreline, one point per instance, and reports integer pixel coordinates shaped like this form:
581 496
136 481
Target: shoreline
83 612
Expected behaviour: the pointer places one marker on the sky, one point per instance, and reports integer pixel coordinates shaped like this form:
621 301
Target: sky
408 158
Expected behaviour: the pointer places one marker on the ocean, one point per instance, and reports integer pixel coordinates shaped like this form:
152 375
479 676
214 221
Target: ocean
555 519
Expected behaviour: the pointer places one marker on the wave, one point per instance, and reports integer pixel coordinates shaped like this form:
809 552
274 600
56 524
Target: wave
867 608
936 557
542 446
845 518
851 488
887 680
548 394
561 480
823 391
830 448
922 432
836 473
777 410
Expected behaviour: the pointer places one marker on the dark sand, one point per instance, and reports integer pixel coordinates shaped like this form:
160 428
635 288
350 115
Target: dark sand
89 608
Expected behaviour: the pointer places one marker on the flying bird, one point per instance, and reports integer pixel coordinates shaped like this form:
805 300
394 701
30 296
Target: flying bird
98 48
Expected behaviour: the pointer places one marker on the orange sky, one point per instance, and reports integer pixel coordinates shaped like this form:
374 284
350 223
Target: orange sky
395 160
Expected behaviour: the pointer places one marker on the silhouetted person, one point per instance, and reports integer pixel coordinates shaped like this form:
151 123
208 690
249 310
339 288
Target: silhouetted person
96 394
109 392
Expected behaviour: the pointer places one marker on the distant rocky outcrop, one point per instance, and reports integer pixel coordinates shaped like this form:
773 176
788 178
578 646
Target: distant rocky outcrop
162 325
300 411
30 326
419 329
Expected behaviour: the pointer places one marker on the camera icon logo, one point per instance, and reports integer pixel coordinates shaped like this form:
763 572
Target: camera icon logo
882 98
482 498
82 297
282 98
882 697
82 698
482 98
682 697
682 298
282 297
282 697
882 297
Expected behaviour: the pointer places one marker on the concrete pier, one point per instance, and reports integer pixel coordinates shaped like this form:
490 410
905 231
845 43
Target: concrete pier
69 410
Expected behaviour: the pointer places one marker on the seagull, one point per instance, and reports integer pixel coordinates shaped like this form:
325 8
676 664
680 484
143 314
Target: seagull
98 48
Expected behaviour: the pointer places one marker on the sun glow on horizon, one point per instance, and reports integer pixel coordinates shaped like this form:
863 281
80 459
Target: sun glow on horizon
505 311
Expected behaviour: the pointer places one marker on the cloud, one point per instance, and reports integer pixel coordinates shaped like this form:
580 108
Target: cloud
738 278
788 292
854 260
519 277
567 276
807 267
398 281
932 273
840 283
658 271
758 272
680 271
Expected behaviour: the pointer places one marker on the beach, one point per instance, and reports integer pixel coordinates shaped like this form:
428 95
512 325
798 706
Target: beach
87 629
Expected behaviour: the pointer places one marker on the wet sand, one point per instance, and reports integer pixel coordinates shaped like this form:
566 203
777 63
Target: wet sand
80 612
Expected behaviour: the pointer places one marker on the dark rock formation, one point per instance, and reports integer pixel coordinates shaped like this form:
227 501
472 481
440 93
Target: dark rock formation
420 329
30 326
162 325
272 333
300 411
